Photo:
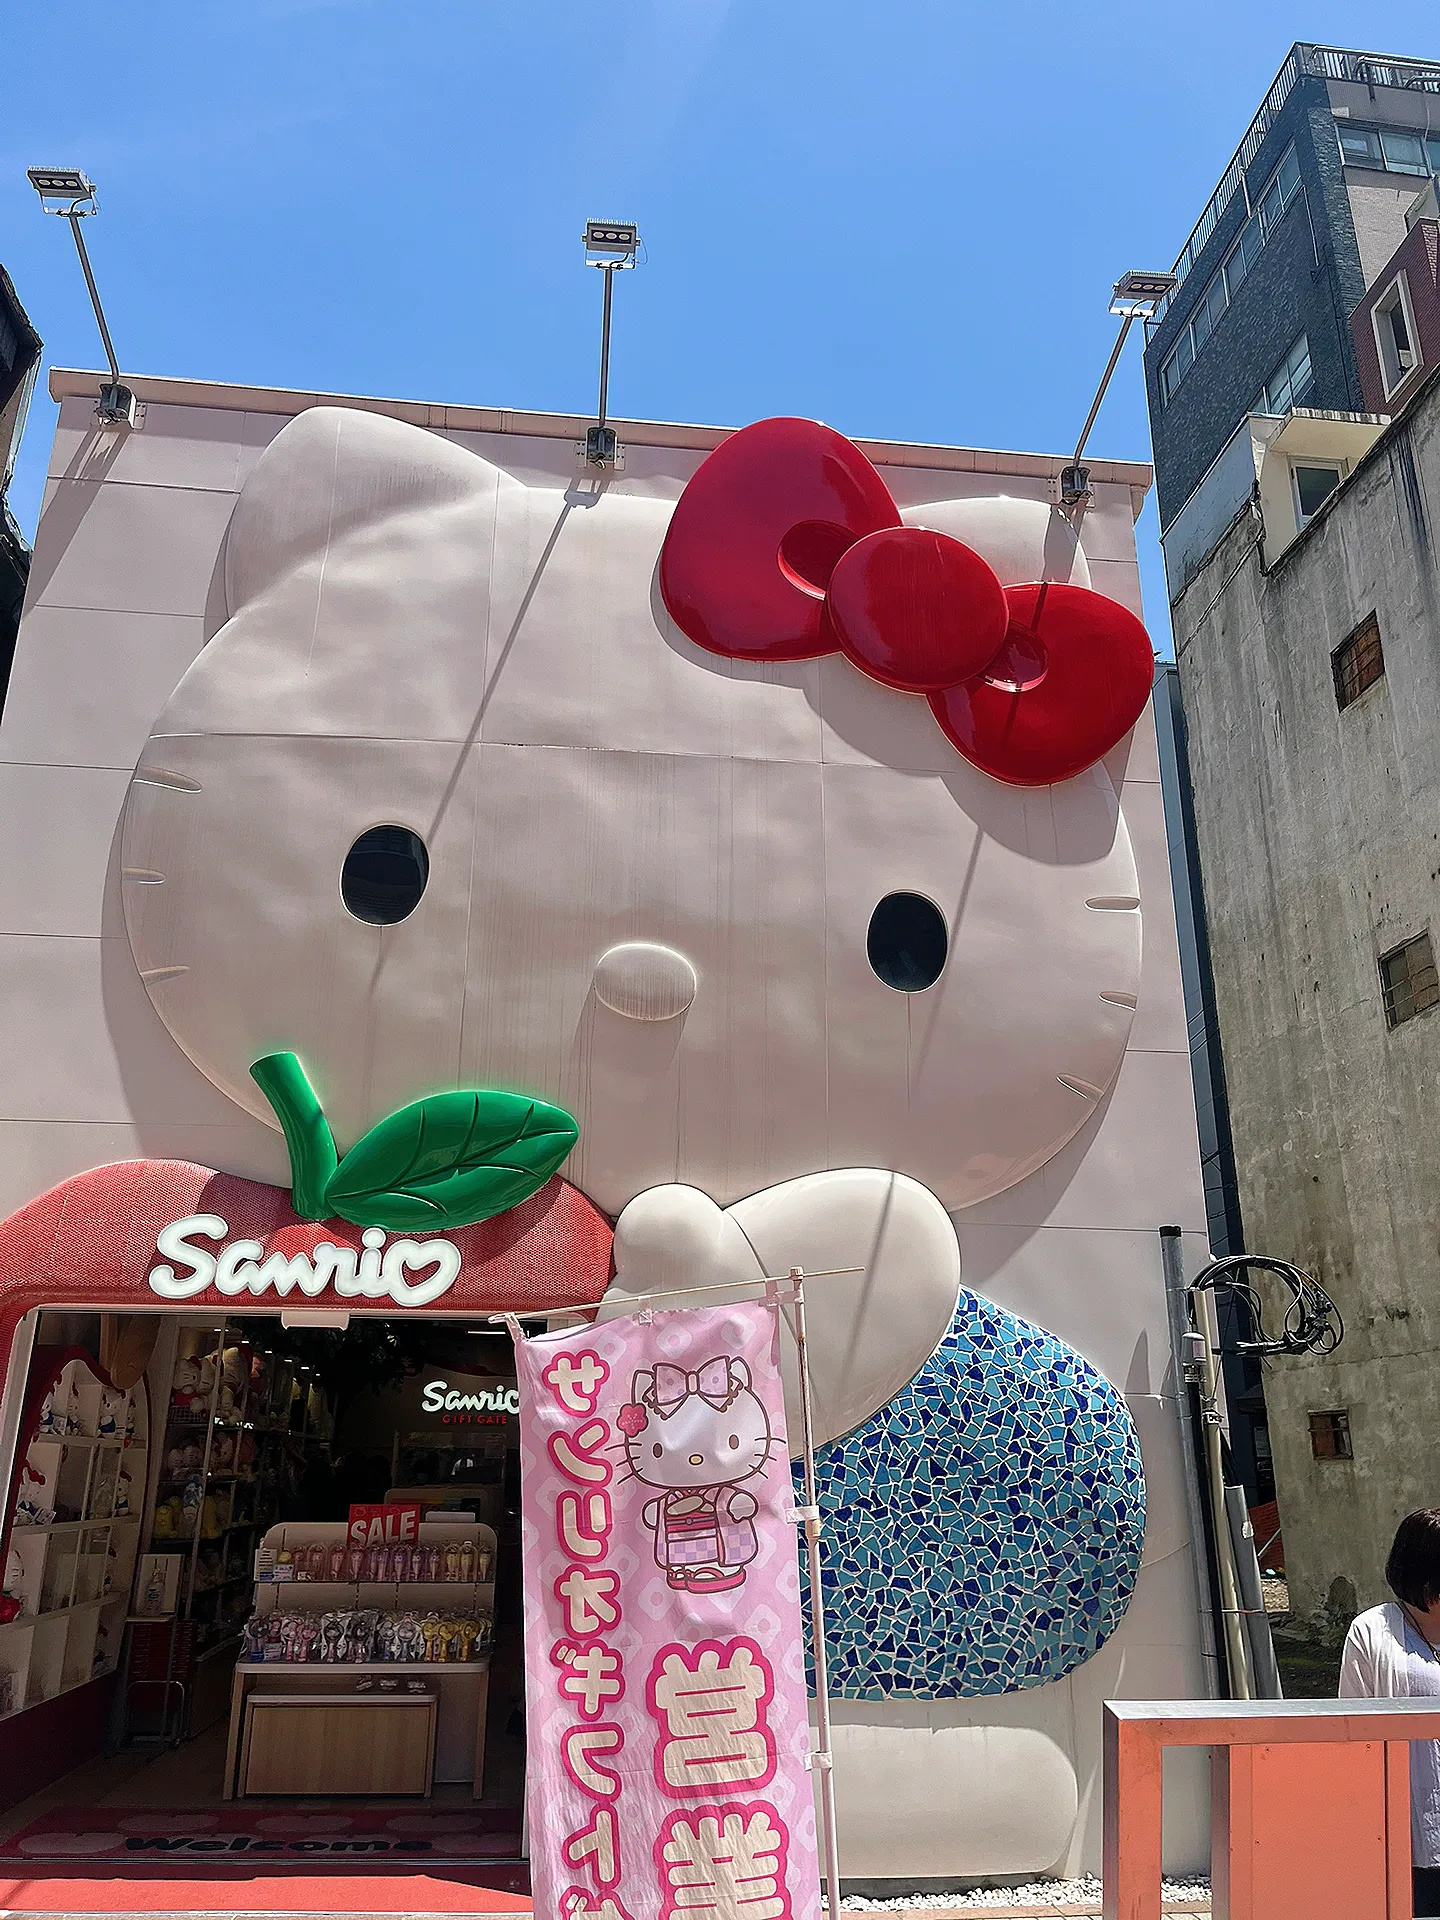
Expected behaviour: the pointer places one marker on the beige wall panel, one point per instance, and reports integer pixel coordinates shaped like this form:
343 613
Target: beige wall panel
178 447
117 670
64 820
123 550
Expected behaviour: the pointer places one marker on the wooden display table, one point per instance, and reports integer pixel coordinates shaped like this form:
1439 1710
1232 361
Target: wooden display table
298 1707
346 1743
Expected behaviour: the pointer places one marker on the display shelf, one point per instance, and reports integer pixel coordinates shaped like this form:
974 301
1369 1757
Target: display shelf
71 1576
398 1667
31 1531
234 1428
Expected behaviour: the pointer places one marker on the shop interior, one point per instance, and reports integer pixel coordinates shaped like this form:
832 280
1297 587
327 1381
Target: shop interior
180 1539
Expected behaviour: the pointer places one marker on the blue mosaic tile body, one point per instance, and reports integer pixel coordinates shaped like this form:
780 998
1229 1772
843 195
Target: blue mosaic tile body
983 1531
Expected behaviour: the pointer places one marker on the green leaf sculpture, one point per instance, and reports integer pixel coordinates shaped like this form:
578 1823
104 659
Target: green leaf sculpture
445 1161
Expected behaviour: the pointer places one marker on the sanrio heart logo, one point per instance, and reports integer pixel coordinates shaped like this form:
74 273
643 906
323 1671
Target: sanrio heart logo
786 545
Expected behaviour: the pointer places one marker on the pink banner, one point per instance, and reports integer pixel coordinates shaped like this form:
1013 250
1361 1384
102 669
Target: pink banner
666 1704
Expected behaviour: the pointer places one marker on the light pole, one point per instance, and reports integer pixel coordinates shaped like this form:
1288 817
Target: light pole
67 192
610 245
1135 297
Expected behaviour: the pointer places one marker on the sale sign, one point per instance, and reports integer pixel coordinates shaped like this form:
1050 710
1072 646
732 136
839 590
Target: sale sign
669 1741
382 1525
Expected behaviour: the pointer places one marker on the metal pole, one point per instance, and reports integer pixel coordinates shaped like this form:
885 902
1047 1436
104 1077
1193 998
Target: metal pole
609 273
1237 1651
1179 1317
74 219
823 1757
1263 1665
1104 383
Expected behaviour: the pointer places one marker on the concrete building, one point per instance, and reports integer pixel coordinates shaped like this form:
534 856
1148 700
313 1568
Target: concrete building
1310 208
1307 653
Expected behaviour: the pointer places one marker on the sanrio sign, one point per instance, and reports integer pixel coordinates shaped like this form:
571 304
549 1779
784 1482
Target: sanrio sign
377 1272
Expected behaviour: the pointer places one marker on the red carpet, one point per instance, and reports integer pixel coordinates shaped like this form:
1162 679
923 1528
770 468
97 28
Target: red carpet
159 1890
254 1837
266 1859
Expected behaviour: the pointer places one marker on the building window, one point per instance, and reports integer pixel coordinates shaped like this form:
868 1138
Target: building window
1243 255
1357 663
1409 980
1330 1434
1289 383
1395 337
1389 149
1280 190
1314 481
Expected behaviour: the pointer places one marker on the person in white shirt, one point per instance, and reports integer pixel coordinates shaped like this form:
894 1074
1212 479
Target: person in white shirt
1392 1652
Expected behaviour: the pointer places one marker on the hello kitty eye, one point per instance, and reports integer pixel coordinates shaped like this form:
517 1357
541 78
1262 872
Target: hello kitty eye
734 1439
384 875
657 1450
907 942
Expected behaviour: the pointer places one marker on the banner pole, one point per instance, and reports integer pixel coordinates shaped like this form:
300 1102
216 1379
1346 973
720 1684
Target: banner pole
810 1514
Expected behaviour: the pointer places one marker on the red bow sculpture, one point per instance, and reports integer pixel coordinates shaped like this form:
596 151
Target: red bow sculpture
786 545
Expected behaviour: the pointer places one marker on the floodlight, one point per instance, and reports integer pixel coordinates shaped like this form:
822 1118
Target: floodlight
1135 296
1145 286
611 245
611 242
60 183
63 191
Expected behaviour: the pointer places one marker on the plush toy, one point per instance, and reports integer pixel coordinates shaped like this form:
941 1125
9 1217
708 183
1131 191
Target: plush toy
205 1384
235 1368
190 1497
52 1421
108 1420
210 1526
123 1486
185 1385
175 1462
222 1453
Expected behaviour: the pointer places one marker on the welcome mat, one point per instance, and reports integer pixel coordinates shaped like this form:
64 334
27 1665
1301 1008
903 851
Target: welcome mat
265 1835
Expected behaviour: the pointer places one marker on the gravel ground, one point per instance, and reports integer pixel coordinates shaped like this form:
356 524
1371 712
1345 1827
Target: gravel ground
1034 1893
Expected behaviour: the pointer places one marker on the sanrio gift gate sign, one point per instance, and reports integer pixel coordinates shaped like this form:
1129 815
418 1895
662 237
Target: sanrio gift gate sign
375 1272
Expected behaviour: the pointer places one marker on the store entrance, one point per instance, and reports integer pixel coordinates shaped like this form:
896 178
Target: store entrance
298 1545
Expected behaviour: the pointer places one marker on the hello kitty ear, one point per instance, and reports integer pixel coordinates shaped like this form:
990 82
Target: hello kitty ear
740 1376
641 1385
329 472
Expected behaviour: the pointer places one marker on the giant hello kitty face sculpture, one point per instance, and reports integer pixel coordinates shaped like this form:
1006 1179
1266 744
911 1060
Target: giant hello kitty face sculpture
678 892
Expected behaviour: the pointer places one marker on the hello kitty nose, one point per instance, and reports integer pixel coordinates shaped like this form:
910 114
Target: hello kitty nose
697 1459
645 981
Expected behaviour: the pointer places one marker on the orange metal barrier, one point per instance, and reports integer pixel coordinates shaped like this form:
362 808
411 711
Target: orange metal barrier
1309 1804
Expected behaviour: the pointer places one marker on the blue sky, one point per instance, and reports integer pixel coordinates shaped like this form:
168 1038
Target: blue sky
899 216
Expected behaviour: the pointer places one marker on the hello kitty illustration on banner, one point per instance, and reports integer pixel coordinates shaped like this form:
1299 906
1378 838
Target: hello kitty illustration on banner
666 1702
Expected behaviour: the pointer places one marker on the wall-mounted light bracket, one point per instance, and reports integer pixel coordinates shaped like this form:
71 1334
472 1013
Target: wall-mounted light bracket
612 246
